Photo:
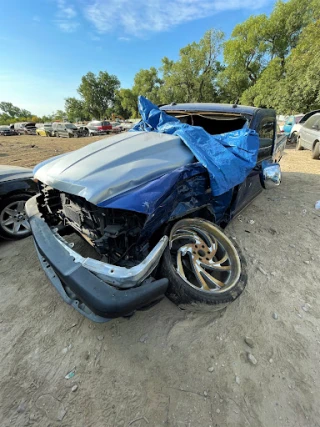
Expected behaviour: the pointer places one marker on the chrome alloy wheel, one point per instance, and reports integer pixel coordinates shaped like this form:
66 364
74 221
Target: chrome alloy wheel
204 257
13 219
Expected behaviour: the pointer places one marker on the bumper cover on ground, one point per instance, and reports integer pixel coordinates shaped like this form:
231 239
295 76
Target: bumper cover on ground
79 287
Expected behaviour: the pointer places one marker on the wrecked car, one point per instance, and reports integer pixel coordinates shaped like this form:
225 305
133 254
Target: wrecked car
150 206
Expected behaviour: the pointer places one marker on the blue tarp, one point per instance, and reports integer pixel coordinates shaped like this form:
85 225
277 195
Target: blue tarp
229 157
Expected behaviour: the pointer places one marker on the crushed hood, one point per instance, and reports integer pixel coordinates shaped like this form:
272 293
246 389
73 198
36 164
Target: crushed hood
114 165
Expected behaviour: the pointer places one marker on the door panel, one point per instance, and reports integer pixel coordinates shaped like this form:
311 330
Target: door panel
265 124
247 191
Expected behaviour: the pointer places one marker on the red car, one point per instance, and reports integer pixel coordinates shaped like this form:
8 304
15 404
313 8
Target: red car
97 127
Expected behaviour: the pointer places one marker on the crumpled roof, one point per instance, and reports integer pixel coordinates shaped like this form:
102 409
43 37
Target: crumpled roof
228 157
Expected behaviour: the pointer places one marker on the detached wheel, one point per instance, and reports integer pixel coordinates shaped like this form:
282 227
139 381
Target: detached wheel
202 264
316 151
298 145
13 221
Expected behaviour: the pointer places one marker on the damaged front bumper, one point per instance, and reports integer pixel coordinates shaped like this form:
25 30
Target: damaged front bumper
100 291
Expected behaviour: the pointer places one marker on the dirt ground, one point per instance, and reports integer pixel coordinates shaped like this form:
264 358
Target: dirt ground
167 367
29 150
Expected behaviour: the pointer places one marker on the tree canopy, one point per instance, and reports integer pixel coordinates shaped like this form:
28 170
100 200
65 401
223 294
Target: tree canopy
268 61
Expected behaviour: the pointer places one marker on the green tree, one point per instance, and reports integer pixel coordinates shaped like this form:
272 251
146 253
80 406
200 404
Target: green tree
59 115
128 101
118 109
148 84
98 92
12 111
291 38
75 109
268 90
302 83
245 56
192 77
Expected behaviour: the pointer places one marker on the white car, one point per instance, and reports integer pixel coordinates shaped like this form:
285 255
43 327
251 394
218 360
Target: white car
293 136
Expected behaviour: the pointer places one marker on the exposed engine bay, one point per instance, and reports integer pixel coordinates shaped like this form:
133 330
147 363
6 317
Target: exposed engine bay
113 233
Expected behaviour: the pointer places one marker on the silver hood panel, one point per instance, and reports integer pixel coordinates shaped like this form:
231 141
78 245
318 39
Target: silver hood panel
114 165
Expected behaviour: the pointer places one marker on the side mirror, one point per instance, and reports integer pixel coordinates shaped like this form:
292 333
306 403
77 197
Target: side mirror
270 175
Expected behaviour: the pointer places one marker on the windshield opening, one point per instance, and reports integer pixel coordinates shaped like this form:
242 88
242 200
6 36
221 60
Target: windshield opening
214 124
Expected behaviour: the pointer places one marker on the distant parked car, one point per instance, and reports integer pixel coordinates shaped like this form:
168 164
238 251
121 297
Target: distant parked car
292 138
117 127
309 136
16 187
45 130
65 130
6 131
97 127
82 128
127 125
25 128
291 121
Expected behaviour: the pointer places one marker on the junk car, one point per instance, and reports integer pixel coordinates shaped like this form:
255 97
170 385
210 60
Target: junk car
149 207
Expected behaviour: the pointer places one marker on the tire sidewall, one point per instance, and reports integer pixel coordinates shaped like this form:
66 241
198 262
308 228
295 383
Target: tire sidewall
316 151
298 144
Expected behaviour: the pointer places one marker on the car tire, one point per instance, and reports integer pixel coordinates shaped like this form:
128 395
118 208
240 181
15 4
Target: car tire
316 151
294 138
14 224
188 288
298 144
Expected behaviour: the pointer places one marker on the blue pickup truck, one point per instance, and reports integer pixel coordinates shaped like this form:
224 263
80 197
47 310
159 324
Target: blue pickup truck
153 213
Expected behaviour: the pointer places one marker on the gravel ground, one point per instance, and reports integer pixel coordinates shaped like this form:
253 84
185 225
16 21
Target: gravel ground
254 364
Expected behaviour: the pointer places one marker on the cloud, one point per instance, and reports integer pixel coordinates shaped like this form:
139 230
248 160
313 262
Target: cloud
144 16
65 17
65 10
67 26
124 39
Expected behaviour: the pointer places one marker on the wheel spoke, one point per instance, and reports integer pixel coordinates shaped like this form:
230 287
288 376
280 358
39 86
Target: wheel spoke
16 227
219 267
186 248
180 236
180 265
20 206
218 263
203 284
8 221
9 211
25 224
217 283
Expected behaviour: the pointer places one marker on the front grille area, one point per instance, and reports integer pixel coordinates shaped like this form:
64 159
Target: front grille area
112 232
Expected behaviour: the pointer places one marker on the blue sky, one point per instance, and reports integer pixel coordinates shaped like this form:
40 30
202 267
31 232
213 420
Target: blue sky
47 45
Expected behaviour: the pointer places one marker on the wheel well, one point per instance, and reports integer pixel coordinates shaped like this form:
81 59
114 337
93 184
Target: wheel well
314 144
15 192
